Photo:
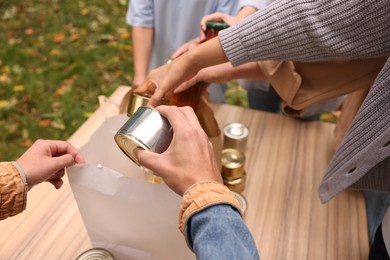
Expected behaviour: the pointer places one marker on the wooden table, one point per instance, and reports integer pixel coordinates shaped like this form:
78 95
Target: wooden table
286 160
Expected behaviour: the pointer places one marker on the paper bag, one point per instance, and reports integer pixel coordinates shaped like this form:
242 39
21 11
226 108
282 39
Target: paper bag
131 218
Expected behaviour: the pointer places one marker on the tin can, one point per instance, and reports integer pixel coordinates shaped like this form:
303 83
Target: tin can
212 29
137 100
235 135
243 202
146 129
233 162
237 185
96 254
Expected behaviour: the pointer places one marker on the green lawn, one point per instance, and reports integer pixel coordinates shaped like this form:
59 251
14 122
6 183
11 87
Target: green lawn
56 57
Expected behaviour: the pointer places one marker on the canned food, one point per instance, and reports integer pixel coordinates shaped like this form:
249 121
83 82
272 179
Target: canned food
237 185
212 29
232 162
146 129
137 100
235 135
96 254
243 202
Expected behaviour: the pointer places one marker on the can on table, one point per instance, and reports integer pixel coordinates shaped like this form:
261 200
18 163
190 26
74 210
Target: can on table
146 129
96 254
237 185
243 202
235 135
233 164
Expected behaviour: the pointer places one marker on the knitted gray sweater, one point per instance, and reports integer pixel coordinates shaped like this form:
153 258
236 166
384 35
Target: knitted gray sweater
317 30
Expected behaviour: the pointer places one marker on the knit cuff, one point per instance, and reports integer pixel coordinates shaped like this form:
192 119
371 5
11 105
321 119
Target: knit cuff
201 196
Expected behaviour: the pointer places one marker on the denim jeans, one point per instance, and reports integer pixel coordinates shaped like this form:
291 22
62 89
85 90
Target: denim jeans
376 206
218 232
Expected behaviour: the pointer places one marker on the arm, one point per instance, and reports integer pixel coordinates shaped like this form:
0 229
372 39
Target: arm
142 47
45 160
140 15
208 206
223 73
310 31
218 232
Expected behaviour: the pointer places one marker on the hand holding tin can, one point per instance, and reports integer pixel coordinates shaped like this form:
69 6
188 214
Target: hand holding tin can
189 157
146 129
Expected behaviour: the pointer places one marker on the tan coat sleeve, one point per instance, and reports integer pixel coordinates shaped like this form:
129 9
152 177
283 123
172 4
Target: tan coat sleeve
203 195
13 191
301 84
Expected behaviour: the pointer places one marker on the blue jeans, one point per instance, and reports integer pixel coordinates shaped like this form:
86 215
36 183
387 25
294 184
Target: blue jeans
376 206
218 232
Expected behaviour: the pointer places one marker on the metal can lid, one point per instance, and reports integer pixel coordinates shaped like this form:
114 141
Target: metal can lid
96 254
232 158
236 131
216 25
242 200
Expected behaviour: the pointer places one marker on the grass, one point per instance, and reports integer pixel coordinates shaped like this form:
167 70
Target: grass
56 58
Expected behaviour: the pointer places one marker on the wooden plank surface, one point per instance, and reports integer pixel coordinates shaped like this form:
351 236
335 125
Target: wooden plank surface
286 160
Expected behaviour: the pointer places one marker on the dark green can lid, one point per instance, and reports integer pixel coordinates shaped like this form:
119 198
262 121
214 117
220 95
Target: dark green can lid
217 25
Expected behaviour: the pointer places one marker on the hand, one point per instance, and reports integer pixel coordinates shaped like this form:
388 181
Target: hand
186 47
138 80
45 160
189 158
216 17
168 77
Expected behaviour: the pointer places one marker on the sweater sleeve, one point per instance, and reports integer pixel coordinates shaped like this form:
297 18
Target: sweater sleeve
13 191
310 30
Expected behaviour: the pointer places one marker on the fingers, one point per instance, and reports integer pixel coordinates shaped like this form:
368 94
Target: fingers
59 148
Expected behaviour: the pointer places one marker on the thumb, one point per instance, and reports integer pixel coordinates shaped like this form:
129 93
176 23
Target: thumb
146 158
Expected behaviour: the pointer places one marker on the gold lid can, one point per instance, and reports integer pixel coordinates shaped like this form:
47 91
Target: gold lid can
233 163
237 185
242 201
96 254
235 135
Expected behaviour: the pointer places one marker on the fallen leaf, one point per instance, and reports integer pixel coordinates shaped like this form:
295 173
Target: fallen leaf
29 31
125 35
44 122
18 88
74 36
54 52
59 37
84 11
27 143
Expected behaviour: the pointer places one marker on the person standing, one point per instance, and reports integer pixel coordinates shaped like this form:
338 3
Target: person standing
160 27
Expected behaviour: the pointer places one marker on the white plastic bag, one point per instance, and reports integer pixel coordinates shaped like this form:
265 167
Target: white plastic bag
131 218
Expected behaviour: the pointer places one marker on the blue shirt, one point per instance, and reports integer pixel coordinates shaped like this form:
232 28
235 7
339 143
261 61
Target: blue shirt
174 21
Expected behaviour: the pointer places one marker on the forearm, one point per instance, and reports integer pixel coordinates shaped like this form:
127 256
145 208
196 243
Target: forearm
212 224
310 31
142 46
